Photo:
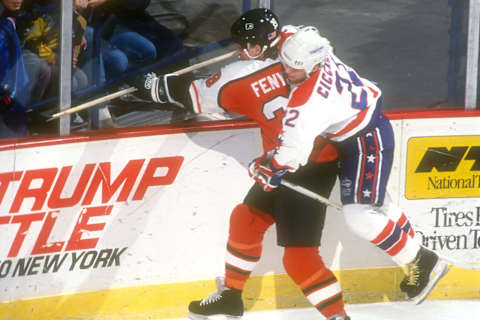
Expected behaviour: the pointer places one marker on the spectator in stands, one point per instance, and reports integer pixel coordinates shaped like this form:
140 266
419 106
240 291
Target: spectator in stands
40 37
38 70
13 76
132 37
121 36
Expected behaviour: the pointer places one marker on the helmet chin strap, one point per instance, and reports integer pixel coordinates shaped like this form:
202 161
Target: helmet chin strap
254 57
265 47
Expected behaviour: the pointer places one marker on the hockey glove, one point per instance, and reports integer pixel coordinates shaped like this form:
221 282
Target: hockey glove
167 88
151 87
266 173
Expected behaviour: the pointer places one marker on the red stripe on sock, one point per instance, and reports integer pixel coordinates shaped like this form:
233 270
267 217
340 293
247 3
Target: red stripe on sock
396 248
385 233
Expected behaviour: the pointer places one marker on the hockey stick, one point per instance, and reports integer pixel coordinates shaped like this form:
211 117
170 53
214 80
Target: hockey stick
205 63
93 103
311 194
133 89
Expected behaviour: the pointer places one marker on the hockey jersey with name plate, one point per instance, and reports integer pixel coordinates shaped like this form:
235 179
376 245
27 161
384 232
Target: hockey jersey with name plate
257 90
334 102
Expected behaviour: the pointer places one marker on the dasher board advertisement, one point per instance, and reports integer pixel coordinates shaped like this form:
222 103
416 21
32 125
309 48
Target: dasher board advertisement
92 215
443 167
441 190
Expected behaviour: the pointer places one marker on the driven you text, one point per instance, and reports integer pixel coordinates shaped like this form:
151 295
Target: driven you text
453 230
40 198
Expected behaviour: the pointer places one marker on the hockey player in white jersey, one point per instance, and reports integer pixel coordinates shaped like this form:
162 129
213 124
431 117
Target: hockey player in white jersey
255 87
330 99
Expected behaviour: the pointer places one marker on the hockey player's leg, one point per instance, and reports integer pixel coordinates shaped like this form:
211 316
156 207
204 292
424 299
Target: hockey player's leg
424 268
318 283
370 224
244 248
397 215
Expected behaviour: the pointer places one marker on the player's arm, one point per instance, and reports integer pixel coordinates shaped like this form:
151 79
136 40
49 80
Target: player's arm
166 88
198 95
217 93
301 126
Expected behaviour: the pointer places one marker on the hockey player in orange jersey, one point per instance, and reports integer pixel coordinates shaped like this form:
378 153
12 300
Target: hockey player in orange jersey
255 87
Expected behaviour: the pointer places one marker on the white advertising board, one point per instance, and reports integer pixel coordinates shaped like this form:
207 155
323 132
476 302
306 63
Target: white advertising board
154 209
121 212
440 180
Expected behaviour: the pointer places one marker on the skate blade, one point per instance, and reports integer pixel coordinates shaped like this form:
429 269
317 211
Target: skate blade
440 269
195 316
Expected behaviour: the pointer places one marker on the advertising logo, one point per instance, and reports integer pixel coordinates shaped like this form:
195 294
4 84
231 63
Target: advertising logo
38 199
443 167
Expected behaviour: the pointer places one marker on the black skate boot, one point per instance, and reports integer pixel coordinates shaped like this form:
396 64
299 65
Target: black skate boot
422 275
225 302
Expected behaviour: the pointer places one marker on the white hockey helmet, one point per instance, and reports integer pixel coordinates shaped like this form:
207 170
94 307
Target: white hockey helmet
305 49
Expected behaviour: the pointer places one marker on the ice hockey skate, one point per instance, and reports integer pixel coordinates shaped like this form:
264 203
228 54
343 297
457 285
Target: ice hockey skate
422 275
222 304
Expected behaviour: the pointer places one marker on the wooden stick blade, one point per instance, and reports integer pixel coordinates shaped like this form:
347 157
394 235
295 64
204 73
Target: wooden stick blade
93 102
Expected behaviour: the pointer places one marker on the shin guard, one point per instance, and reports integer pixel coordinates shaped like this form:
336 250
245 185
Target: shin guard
318 283
244 247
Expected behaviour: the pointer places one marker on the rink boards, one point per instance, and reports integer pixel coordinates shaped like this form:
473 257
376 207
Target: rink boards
132 223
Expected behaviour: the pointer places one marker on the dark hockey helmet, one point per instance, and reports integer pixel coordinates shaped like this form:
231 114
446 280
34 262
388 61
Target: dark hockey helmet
256 26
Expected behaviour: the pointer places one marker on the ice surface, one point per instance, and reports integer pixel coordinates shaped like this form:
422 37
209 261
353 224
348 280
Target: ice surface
428 310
